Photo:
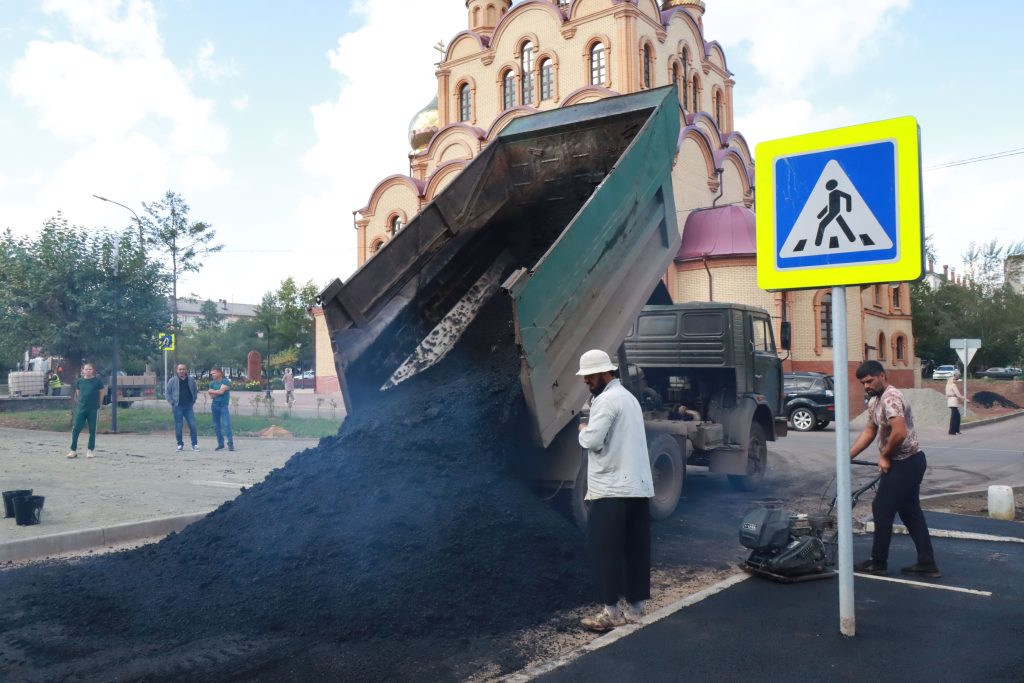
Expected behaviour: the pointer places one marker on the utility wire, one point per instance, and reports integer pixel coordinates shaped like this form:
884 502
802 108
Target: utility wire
974 160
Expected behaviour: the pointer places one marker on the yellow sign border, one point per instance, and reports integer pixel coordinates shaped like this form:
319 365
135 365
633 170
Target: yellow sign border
166 348
906 135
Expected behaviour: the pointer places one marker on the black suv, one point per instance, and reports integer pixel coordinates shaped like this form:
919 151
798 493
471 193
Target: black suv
810 400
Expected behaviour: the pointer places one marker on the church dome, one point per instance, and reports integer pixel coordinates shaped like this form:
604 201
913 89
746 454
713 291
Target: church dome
423 126
717 232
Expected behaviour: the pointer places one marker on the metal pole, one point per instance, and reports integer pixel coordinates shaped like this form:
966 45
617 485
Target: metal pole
267 361
113 374
841 378
165 373
966 358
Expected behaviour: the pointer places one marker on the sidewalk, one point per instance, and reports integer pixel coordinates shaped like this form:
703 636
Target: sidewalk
307 404
137 487
963 627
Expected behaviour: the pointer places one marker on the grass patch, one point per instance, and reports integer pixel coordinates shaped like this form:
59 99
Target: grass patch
156 421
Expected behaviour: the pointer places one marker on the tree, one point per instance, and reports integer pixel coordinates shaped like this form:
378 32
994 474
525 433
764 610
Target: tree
285 314
57 290
210 317
169 230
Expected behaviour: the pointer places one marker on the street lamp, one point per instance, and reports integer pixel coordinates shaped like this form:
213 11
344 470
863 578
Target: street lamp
298 363
117 350
266 372
142 244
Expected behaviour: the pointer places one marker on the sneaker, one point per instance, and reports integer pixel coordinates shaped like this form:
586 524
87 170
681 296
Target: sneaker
195 448
90 454
929 570
871 566
72 454
602 622
231 447
219 448
180 448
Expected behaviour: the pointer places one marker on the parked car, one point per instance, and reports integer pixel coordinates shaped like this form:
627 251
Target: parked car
809 400
999 373
944 372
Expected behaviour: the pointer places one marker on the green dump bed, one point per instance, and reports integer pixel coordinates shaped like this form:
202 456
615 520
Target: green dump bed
570 212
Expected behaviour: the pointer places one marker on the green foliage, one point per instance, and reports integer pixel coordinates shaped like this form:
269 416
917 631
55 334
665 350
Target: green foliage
284 314
211 318
58 290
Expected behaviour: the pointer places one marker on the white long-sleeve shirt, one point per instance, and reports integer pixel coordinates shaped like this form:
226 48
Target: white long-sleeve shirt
617 466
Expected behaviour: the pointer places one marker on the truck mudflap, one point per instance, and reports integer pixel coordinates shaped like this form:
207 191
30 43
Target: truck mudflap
570 211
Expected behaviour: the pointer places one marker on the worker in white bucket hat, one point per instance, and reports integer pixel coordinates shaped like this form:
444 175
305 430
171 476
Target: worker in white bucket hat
619 484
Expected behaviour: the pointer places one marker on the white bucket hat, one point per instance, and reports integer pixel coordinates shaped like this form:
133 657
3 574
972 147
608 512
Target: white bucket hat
594 361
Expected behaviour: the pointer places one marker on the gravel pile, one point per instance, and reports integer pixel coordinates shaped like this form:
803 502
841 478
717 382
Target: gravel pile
395 547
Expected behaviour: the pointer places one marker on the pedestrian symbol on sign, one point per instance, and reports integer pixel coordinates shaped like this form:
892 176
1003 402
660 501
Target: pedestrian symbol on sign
835 220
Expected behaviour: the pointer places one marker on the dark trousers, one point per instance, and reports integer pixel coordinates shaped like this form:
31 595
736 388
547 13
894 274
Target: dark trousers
899 492
954 420
83 415
619 537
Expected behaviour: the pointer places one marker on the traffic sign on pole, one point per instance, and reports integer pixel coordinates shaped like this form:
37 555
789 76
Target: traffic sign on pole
165 341
840 207
965 349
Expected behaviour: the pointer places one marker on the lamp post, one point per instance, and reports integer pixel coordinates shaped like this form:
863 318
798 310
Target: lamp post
266 371
113 374
298 363
142 244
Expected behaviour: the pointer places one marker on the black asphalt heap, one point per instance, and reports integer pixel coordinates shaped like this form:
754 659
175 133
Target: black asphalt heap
389 552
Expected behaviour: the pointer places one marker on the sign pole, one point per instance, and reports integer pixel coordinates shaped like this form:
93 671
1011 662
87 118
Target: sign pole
841 380
966 359
165 370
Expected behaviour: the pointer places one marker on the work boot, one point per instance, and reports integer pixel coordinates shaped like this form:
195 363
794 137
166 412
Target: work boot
90 454
928 570
871 566
72 454
602 622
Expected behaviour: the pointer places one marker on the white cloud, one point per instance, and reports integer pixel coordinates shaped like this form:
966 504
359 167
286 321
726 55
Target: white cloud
240 103
127 114
386 74
211 69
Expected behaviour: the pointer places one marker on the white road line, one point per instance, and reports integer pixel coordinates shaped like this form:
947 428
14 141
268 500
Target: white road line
922 584
220 484
621 632
934 447
946 533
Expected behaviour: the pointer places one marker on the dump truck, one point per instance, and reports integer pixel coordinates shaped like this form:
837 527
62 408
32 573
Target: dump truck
571 214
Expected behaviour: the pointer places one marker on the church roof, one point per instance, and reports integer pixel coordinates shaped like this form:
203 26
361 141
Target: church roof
721 231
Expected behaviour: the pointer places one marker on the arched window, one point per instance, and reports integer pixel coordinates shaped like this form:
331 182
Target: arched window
675 73
508 89
526 62
826 320
718 109
547 79
492 15
647 66
564 4
901 349
375 246
396 225
465 106
695 97
881 346
598 71
686 79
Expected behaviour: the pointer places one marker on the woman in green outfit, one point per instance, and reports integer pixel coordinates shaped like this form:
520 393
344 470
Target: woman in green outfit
89 389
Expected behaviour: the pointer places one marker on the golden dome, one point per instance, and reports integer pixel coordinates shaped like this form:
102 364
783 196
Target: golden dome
423 125
669 4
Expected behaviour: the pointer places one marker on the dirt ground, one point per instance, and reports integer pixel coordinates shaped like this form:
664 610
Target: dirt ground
1010 389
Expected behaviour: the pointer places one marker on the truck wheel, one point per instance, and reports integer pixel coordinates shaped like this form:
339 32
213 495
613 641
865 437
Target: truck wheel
803 419
757 462
668 469
580 506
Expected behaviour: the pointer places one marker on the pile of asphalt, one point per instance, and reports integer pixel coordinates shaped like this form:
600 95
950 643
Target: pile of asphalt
400 544
987 399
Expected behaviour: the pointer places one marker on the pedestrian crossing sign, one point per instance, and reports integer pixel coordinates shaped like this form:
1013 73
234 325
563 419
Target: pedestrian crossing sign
840 207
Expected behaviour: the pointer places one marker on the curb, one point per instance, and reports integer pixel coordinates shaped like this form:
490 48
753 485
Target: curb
44 546
990 420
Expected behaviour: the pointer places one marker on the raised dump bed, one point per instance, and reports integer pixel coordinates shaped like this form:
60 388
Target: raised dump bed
570 212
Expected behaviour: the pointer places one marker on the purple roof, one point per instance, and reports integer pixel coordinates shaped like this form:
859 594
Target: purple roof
722 231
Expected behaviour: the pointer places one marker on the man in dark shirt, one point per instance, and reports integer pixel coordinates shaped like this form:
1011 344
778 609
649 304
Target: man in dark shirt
89 389
181 394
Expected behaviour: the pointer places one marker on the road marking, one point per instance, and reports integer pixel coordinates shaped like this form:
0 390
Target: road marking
220 484
618 634
922 584
972 449
945 533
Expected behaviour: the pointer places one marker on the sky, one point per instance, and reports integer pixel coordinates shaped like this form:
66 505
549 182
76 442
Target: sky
275 120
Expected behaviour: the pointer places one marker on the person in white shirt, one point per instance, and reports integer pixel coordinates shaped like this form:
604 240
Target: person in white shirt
953 400
619 486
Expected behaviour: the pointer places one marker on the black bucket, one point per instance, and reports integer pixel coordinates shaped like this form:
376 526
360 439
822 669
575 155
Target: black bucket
9 497
28 509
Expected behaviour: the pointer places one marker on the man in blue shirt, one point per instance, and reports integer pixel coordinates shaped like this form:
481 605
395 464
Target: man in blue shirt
220 392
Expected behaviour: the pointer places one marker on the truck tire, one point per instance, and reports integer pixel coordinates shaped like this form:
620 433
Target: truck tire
668 469
803 419
757 462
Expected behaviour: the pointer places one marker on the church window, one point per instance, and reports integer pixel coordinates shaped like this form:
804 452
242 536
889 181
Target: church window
675 73
696 95
881 346
598 70
901 348
686 79
647 66
547 79
465 105
826 320
896 297
526 62
564 4
508 89
718 109
375 246
396 225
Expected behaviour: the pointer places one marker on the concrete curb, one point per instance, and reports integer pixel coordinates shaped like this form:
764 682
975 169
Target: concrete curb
990 420
44 546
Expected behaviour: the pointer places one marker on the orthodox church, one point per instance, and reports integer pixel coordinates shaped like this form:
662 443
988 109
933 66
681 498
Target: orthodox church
543 54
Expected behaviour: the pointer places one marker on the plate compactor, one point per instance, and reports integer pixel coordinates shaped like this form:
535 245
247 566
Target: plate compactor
791 548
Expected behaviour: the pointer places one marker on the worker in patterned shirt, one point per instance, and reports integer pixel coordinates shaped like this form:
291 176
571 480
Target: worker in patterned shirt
903 464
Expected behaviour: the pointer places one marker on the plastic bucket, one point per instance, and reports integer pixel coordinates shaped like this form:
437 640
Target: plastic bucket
1000 502
9 497
28 509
